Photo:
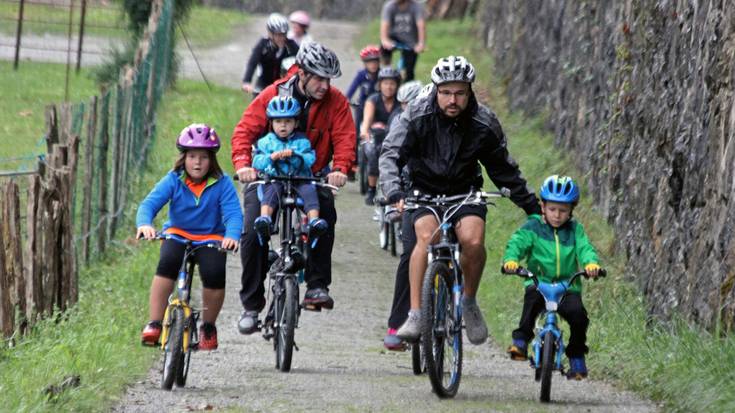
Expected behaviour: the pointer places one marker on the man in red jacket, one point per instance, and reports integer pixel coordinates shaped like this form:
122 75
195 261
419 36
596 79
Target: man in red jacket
327 122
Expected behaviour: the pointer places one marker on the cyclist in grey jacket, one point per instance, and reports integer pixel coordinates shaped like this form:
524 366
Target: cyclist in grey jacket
443 137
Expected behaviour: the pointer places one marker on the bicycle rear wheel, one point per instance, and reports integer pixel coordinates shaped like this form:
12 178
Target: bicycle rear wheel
286 324
173 355
441 335
418 362
547 366
362 170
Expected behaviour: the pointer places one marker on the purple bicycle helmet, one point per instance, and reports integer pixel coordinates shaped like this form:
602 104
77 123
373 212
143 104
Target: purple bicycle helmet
198 136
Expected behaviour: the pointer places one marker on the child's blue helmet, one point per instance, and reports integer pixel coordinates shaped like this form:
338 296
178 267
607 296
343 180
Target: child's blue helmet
283 107
559 189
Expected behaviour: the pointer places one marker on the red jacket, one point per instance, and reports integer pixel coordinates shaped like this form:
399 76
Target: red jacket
331 129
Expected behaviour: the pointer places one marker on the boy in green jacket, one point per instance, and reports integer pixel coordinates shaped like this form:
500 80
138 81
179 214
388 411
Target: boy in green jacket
554 245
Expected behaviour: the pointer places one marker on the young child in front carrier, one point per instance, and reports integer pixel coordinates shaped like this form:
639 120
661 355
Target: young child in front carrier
285 151
203 205
554 245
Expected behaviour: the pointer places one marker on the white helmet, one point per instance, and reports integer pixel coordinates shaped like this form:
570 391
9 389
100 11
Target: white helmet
277 23
452 69
408 91
317 59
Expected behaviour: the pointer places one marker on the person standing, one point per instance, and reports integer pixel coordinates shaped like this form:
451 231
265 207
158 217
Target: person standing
402 27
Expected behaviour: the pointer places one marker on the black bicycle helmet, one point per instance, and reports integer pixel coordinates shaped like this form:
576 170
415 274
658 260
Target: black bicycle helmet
314 58
389 72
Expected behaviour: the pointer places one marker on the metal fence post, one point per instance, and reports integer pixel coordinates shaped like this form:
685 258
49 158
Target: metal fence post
81 34
18 33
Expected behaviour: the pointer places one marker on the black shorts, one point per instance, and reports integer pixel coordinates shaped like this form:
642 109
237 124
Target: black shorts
465 210
211 262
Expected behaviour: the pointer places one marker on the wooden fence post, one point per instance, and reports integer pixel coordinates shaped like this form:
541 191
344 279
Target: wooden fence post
117 183
34 287
7 312
13 248
88 180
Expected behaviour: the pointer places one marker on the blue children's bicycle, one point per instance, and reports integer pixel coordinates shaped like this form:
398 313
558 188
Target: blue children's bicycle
548 346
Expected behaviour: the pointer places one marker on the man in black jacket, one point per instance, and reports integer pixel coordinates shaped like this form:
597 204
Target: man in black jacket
442 137
269 53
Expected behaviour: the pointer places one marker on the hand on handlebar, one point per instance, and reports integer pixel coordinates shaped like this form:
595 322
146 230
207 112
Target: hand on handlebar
592 270
230 244
146 232
510 266
246 174
336 178
387 44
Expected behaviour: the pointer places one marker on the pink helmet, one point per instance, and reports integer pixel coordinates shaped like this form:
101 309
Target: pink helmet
198 136
301 17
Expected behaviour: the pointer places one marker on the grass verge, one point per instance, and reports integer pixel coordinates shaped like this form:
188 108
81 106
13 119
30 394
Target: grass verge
98 340
680 365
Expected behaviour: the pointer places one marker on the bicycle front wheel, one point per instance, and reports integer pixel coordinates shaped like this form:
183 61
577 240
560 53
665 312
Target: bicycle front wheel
441 335
547 366
384 236
286 324
173 356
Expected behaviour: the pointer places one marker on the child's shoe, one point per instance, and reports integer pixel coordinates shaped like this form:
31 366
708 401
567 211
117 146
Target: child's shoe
207 337
151 333
577 368
262 227
392 342
518 350
317 228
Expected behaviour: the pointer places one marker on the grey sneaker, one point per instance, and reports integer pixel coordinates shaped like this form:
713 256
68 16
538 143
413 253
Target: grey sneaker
474 323
411 329
248 323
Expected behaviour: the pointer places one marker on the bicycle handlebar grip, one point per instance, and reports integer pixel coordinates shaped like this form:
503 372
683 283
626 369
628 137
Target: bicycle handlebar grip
505 191
602 273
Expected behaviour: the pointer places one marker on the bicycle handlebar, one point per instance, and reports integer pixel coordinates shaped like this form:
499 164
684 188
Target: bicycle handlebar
318 181
525 273
211 243
472 196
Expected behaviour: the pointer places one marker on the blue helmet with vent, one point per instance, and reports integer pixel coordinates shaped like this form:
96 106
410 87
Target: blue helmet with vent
559 189
283 107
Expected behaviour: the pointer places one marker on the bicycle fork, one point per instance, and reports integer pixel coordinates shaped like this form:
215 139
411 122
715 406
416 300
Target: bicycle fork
551 324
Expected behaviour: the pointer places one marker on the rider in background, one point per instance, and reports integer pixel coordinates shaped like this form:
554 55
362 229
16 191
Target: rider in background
402 25
268 53
443 137
364 84
327 122
378 109
203 205
285 152
553 245
300 22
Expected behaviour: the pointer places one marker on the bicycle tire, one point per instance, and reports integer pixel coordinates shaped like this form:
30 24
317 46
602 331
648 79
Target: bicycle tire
186 359
418 362
362 171
173 354
440 331
287 324
392 239
384 235
547 366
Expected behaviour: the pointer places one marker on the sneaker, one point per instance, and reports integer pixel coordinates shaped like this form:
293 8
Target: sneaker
392 342
474 323
248 323
317 227
577 368
207 337
411 329
370 196
151 333
262 226
518 350
318 297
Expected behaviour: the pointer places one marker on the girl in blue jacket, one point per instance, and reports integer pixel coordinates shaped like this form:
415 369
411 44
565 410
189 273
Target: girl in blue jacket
282 152
203 205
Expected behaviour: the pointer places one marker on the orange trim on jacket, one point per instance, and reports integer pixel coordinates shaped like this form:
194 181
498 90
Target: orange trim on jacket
194 237
331 129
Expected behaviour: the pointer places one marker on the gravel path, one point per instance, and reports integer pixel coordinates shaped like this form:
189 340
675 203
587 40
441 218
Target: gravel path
341 365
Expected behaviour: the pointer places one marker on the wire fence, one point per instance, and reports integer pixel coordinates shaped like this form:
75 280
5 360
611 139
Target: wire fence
78 195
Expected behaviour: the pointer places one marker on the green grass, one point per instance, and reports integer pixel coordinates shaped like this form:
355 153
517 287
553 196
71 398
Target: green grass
98 340
680 365
26 92
206 25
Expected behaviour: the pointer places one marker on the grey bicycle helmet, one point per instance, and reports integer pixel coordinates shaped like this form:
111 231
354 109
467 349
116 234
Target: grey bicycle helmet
277 23
317 59
408 91
389 72
452 69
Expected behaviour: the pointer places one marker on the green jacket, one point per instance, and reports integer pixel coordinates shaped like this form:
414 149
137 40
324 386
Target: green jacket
553 254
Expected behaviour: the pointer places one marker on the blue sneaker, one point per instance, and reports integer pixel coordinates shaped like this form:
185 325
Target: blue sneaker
262 226
518 350
577 368
317 227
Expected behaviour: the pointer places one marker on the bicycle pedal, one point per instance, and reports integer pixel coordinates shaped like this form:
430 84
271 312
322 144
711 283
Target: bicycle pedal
312 307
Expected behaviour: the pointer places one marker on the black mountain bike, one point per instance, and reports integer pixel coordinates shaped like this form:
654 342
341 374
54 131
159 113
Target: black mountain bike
287 266
179 334
441 292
